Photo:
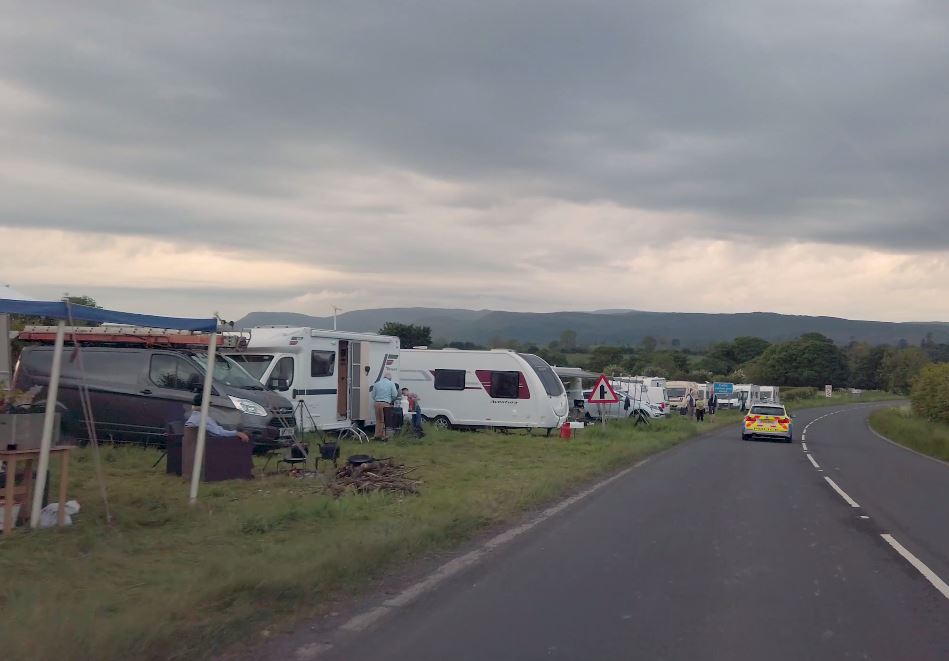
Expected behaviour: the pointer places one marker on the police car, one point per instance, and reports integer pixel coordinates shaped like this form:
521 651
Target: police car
767 421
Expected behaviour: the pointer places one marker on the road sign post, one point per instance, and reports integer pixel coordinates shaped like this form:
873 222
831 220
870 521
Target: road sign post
601 394
828 391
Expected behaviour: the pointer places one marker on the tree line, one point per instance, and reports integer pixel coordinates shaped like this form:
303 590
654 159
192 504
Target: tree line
811 360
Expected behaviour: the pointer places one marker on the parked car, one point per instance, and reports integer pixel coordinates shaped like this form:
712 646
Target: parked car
136 392
767 421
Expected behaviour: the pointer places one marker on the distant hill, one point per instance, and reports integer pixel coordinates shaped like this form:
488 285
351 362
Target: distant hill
612 326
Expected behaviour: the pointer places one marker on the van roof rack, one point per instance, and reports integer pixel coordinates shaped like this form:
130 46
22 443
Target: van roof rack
128 335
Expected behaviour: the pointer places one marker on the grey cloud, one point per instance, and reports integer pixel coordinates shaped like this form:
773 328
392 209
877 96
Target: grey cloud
823 121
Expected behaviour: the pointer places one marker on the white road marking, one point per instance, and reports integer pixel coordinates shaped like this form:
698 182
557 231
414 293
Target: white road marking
928 573
803 446
816 465
903 447
864 516
842 493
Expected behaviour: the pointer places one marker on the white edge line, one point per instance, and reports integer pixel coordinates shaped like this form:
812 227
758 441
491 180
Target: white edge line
928 573
841 492
816 465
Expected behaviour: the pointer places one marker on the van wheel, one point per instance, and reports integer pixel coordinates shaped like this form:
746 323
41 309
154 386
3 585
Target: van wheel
441 422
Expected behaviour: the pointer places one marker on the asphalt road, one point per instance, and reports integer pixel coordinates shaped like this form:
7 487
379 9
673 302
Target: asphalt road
718 549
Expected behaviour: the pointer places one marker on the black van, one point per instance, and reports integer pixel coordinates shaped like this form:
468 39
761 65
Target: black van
136 392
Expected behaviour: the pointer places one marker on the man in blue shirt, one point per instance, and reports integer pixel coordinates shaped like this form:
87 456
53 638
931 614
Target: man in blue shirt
384 393
213 428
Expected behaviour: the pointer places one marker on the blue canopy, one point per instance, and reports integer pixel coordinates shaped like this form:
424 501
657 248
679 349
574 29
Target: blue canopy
71 311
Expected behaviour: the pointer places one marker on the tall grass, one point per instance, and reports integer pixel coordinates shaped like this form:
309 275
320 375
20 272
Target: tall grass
169 581
900 424
839 398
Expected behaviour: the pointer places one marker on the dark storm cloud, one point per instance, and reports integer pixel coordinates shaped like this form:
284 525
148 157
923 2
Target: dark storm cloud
825 121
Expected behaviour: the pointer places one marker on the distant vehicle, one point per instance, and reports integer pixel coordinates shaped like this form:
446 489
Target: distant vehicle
498 388
769 394
678 391
748 395
137 392
326 374
767 421
637 393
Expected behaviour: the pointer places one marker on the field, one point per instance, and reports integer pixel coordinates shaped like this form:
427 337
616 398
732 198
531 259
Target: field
171 581
839 399
901 425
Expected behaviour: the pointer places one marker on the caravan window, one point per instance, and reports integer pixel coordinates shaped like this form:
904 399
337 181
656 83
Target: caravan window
505 385
449 379
322 363
551 382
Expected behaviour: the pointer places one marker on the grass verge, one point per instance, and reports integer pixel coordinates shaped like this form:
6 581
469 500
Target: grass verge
840 399
169 581
899 424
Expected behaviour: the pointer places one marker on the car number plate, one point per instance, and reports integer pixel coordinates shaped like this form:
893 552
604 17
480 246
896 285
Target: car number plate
286 431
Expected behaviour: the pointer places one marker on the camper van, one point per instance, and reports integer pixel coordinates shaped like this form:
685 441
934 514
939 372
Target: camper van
678 391
326 374
498 388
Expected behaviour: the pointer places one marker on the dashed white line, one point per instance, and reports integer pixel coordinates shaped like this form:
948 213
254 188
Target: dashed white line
816 465
928 573
842 493
804 446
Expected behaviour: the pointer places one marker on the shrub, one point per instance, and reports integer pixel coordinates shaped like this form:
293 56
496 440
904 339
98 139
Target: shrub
795 394
930 394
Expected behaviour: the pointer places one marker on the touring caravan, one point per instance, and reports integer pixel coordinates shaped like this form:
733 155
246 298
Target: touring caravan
770 394
678 391
326 374
748 395
498 388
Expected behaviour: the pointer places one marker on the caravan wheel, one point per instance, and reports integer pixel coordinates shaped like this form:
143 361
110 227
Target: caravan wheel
441 422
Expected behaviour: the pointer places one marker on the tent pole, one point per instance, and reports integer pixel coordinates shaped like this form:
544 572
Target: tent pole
52 393
203 425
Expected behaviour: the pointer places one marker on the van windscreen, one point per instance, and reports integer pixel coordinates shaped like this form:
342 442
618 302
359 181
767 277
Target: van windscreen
229 373
255 363
675 393
551 382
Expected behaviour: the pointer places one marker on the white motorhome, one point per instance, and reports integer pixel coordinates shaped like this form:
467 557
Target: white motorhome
748 395
498 388
678 392
326 374
770 394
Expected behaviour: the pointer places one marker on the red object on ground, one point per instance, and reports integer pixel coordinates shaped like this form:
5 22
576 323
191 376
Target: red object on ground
566 431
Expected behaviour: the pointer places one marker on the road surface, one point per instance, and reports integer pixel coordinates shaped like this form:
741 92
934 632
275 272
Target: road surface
717 549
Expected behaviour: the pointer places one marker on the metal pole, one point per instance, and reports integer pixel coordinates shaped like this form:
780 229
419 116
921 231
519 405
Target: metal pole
203 425
52 392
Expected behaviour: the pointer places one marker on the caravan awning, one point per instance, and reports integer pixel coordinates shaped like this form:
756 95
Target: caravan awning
71 311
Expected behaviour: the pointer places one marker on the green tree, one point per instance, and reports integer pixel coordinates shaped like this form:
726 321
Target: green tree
649 344
900 368
866 364
568 340
930 395
812 360
604 355
746 348
409 335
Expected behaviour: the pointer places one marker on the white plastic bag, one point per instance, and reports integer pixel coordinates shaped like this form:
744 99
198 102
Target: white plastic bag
49 514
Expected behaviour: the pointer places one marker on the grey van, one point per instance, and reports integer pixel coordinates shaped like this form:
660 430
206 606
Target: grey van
136 392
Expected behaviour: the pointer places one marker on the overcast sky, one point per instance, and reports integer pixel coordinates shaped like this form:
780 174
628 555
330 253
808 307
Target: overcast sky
684 155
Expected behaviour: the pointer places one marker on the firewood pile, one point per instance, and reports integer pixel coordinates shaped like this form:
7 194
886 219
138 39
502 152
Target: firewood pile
379 475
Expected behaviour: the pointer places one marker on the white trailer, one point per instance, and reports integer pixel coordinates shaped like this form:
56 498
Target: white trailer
499 388
748 394
770 394
326 374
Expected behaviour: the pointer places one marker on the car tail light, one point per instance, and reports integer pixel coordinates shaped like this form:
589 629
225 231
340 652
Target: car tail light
748 418
784 421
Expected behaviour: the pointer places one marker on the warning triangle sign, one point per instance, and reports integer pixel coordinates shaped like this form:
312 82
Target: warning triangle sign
603 392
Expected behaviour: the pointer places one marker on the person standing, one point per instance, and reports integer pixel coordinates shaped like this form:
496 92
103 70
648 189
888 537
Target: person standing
384 393
712 403
690 404
415 411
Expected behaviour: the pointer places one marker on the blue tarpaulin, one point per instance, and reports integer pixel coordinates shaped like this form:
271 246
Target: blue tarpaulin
71 311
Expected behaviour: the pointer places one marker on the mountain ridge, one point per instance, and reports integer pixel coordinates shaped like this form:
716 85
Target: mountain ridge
690 329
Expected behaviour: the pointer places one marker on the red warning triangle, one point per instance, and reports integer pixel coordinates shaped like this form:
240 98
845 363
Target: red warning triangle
603 392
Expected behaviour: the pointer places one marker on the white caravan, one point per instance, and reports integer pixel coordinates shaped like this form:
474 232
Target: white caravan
499 388
770 394
748 395
326 374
